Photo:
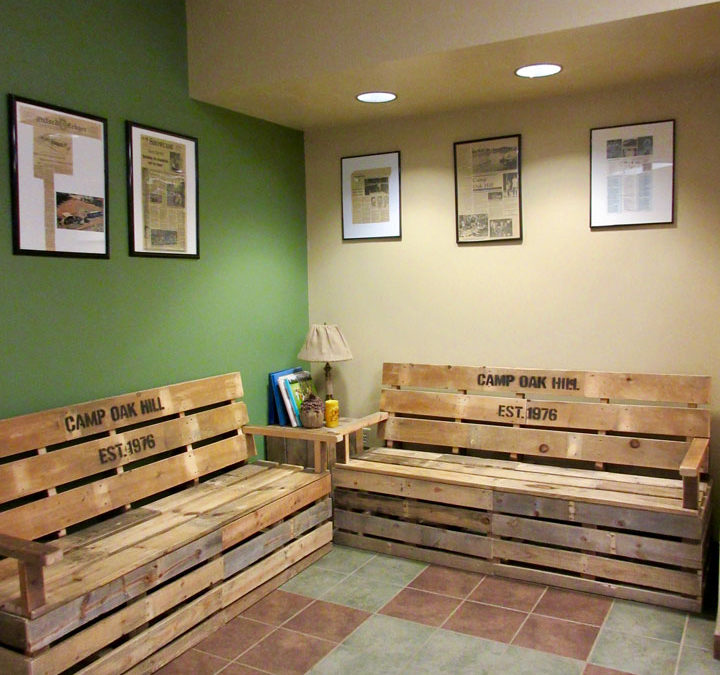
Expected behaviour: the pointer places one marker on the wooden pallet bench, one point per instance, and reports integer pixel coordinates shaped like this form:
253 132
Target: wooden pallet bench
134 527
584 480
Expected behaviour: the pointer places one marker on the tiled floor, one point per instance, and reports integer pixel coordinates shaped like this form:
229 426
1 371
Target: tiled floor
355 613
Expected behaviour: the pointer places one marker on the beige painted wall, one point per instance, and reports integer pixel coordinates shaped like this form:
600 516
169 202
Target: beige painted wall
643 299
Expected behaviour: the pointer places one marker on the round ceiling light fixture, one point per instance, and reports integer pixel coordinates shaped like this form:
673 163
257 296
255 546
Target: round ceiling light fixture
538 70
376 97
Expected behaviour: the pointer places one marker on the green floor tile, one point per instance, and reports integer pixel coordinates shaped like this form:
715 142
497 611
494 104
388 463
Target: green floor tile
392 570
382 636
635 653
521 661
700 632
361 592
633 618
449 652
697 662
313 581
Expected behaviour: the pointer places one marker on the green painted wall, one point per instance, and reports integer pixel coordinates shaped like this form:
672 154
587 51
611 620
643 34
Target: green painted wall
76 329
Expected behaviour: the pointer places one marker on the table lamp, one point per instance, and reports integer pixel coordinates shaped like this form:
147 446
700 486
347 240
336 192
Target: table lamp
325 342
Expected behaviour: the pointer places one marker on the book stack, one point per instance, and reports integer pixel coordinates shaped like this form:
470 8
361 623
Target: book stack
286 391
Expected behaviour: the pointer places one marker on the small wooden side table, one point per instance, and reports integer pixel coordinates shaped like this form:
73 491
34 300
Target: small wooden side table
323 439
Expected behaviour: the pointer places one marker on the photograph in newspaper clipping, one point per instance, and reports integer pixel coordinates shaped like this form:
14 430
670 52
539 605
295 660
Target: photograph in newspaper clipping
61 181
487 190
371 196
632 175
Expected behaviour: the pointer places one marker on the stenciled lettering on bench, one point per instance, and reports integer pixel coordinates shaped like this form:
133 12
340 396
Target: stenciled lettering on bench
533 412
541 382
123 411
120 451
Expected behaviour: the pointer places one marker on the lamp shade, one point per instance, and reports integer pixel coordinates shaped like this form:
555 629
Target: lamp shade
325 342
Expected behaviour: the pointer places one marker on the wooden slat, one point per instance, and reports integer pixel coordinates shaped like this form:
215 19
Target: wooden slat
696 459
427 536
539 442
522 471
628 386
640 419
34 474
36 430
409 509
67 508
607 542
686 583
486 484
685 525
29 551
404 486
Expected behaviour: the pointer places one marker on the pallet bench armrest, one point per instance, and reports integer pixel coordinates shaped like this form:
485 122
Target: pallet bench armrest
694 463
32 557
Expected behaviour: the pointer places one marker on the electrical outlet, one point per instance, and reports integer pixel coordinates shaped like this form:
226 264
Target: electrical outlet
366 437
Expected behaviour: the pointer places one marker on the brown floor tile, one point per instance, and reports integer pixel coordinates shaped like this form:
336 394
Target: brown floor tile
485 621
555 636
285 652
591 669
240 669
327 620
420 606
192 661
447 581
234 638
574 606
507 593
277 607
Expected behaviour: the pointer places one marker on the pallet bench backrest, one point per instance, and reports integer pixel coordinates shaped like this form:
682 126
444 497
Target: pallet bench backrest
66 466
637 420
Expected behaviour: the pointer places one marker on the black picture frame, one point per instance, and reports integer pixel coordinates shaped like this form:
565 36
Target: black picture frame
632 175
163 194
488 190
58 168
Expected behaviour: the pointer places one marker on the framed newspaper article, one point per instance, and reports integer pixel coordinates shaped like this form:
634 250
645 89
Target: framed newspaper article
371 196
59 180
632 174
487 190
162 193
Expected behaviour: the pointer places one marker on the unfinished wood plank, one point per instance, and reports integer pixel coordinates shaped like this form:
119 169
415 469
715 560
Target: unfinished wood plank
627 418
427 536
53 469
42 429
547 443
589 384
409 509
607 542
432 556
242 527
612 589
59 511
695 461
458 495
279 535
685 525
650 576
267 568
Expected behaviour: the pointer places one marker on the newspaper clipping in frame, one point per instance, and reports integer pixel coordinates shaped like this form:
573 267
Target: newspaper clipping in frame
488 189
630 177
370 195
164 179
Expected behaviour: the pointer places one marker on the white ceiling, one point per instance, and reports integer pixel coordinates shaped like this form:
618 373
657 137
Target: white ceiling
301 62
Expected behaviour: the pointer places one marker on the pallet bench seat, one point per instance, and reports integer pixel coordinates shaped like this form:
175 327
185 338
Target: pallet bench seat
134 526
590 481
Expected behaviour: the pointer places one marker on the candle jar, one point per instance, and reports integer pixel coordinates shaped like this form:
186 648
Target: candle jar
332 413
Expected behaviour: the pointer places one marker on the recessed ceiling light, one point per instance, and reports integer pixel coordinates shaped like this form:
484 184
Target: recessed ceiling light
538 70
376 97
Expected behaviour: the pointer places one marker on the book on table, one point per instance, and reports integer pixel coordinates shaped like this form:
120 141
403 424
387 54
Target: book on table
296 387
277 412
